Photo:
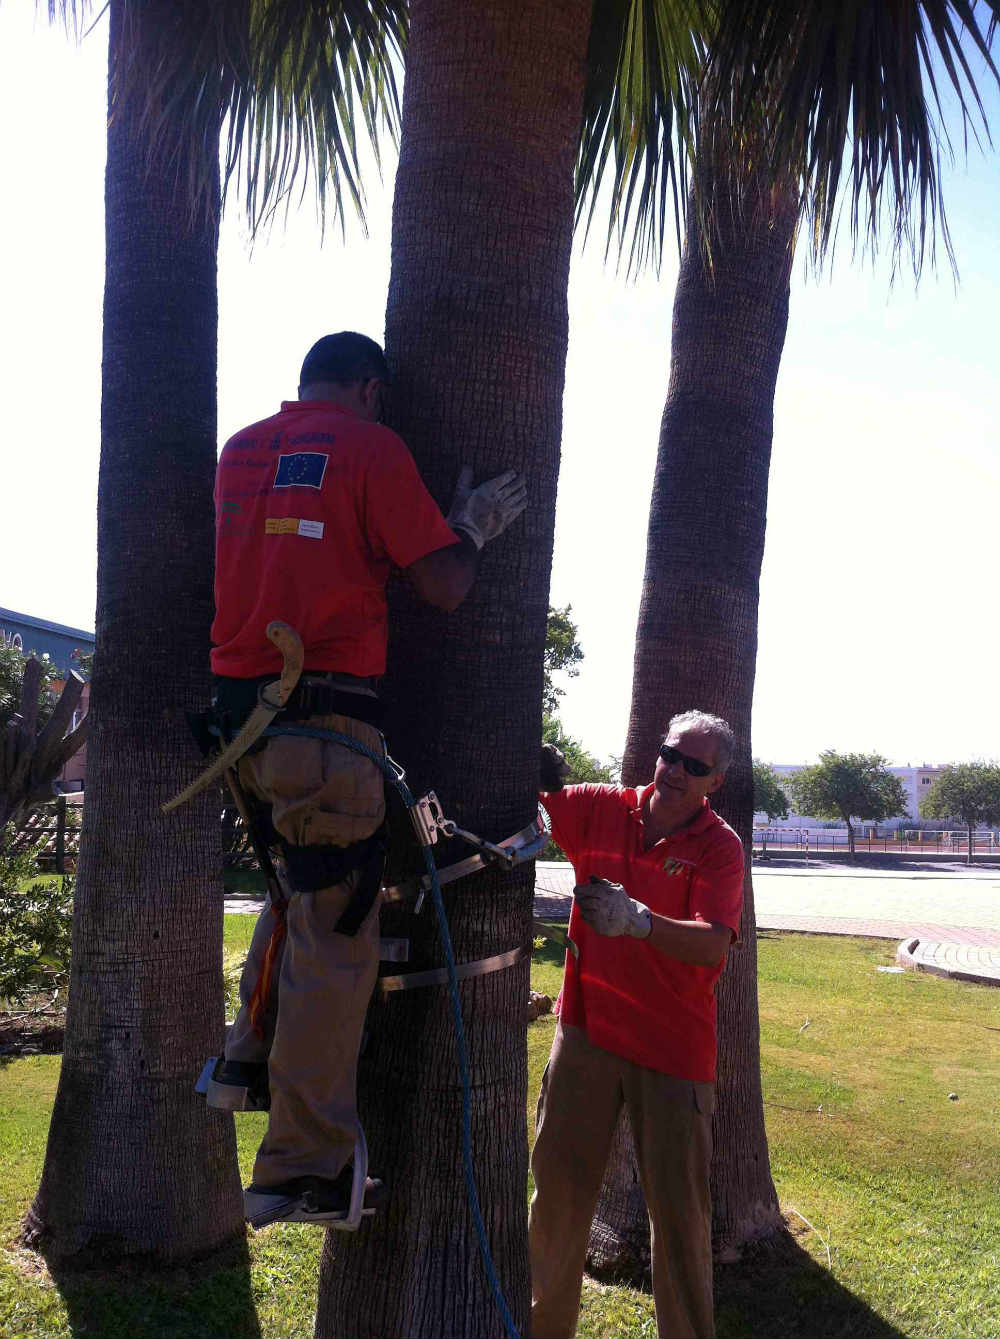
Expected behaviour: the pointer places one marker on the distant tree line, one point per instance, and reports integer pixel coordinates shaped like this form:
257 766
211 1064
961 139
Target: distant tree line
851 786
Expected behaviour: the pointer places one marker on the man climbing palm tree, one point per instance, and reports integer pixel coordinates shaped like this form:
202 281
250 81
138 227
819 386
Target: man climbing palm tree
315 506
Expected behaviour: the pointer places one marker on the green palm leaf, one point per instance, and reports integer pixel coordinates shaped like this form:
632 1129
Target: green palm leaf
321 71
643 63
838 100
298 80
856 103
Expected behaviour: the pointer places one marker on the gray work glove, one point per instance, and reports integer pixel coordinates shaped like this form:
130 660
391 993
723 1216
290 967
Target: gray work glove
608 909
484 512
554 768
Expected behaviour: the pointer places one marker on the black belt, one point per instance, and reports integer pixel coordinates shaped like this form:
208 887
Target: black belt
318 693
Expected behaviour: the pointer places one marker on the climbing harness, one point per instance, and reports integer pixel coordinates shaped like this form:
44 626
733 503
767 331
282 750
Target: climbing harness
523 845
429 824
427 836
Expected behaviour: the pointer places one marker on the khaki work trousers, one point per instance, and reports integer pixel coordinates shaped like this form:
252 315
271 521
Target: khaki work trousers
319 793
583 1091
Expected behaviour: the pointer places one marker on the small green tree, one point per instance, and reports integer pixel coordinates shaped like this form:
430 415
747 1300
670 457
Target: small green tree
848 786
36 926
12 663
562 652
768 797
583 766
969 791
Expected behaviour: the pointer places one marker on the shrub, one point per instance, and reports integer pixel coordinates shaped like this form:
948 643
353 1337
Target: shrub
36 923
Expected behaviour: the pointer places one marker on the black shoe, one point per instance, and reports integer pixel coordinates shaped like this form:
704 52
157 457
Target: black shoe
310 1199
239 1085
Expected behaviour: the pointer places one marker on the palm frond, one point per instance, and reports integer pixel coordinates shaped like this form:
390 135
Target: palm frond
643 63
322 74
299 81
856 104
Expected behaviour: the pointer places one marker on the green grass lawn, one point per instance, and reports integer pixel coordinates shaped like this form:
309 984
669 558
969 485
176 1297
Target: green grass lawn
897 1182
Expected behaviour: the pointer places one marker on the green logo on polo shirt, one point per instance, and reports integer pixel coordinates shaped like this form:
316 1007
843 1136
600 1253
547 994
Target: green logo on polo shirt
672 866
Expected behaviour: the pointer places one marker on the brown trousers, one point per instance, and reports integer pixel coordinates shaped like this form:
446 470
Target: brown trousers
583 1091
319 793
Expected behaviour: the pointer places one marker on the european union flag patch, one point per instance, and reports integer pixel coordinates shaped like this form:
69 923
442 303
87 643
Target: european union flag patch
303 469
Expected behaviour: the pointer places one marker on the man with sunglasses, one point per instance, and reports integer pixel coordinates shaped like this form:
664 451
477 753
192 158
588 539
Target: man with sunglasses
315 507
657 902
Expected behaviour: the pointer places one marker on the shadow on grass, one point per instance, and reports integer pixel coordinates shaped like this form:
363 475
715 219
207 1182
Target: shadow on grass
779 1289
210 1298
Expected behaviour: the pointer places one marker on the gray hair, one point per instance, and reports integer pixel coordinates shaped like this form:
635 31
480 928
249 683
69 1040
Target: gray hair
720 730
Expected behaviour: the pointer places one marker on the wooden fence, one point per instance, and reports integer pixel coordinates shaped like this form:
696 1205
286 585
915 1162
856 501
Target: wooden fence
54 830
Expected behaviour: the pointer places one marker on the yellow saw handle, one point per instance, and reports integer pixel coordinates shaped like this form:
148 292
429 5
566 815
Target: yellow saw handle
289 643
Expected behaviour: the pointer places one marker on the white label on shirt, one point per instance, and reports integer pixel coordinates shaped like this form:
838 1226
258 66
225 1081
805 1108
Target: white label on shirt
311 529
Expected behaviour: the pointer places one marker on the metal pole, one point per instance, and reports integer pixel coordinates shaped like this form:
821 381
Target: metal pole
61 835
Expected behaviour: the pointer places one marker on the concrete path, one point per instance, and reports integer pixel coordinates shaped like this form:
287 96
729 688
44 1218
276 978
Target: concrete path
838 901
953 919
924 903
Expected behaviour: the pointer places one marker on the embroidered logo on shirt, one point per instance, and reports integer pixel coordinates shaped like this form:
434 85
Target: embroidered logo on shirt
292 525
303 469
229 517
674 866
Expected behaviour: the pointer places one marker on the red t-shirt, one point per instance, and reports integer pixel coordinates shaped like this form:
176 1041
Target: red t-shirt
313 508
630 999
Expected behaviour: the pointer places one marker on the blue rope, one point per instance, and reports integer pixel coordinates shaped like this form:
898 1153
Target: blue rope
395 776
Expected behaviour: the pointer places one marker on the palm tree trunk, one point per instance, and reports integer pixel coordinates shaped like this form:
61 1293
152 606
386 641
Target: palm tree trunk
476 336
135 1163
696 646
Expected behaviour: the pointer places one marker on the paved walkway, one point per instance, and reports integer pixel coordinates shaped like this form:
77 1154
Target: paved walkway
822 900
953 917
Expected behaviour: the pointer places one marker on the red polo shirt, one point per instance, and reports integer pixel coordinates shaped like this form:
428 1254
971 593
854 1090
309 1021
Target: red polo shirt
630 999
314 507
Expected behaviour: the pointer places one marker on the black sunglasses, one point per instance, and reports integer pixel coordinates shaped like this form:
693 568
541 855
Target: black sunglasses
693 766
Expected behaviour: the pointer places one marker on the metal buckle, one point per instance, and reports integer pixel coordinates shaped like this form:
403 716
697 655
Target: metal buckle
428 819
516 850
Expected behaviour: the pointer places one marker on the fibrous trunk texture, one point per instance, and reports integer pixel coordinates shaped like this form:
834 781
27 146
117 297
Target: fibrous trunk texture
476 336
135 1162
696 646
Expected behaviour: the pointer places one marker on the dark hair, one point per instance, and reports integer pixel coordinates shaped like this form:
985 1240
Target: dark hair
344 358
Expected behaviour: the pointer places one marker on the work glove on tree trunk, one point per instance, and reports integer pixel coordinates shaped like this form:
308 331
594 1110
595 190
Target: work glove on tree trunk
484 512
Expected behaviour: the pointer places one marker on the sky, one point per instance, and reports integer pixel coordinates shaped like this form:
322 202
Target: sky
878 613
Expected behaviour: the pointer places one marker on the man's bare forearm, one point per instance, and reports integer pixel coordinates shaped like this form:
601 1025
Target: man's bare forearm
702 943
444 578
